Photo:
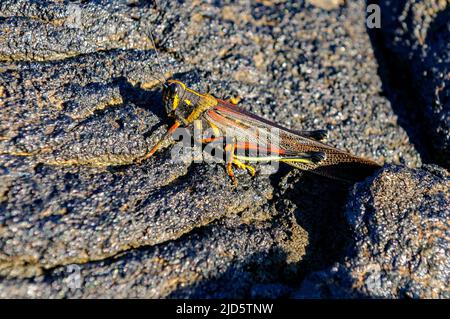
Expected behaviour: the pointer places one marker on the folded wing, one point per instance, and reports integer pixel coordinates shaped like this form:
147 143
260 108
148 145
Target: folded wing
285 145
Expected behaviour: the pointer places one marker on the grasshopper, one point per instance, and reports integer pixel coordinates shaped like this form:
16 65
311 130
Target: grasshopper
301 149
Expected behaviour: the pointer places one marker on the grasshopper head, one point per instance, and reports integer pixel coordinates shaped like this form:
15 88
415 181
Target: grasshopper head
173 95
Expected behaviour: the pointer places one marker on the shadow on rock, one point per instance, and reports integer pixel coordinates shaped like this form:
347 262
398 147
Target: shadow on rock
399 221
140 97
318 204
259 276
402 96
411 50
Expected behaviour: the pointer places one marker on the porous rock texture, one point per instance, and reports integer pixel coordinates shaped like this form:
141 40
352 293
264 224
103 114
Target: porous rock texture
414 44
80 103
400 221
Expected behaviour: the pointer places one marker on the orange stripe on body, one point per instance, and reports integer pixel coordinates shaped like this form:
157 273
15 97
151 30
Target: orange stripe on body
253 146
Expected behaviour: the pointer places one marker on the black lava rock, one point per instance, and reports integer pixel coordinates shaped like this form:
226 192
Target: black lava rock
416 38
400 225
80 103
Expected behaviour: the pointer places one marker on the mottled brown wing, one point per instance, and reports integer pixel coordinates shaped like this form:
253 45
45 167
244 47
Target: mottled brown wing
337 164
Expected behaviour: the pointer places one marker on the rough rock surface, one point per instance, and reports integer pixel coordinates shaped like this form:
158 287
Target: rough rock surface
400 221
79 104
415 38
48 30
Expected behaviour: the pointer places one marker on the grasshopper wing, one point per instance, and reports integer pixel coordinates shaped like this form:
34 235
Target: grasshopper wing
253 132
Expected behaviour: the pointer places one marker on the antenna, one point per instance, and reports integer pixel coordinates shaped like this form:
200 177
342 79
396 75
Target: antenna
158 60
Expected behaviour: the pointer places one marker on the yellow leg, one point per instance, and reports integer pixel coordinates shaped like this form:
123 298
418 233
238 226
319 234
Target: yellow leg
234 100
229 149
231 159
241 165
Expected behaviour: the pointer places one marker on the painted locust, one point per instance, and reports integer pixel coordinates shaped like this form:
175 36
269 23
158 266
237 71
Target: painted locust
301 149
